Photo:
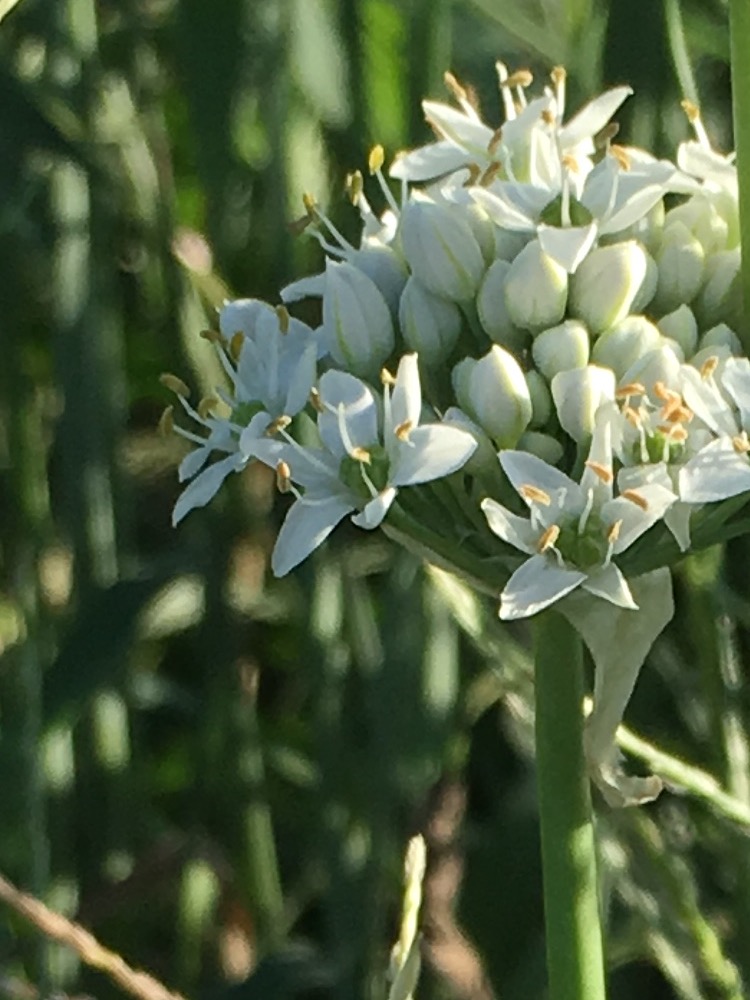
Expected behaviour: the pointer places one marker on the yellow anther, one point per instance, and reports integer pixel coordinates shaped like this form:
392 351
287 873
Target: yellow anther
207 404
632 416
692 111
166 422
297 226
605 135
475 172
283 477
278 424
212 336
603 472
174 384
614 532
661 392
620 154
521 78
315 401
635 497
534 494
376 159
490 174
548 539
570 163
311 205
547 117
403 430
631 389
676 433
709 366
283 316
741 444
235 345
360 455
354 185
558 75
386 378
497 138
454 86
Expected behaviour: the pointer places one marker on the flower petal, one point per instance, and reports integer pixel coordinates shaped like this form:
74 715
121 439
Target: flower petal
718 471
431 451
515 530
567 245
205 486
371 516
359 418
428 162
535 585
524 469
406 398
609 583
308 523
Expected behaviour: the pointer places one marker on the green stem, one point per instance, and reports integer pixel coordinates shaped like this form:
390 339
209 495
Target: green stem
575 960
739 23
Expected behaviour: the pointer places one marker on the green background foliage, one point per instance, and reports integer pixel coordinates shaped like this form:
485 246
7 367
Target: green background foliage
218 772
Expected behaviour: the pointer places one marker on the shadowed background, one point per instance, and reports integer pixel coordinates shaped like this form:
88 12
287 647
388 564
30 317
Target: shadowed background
215 771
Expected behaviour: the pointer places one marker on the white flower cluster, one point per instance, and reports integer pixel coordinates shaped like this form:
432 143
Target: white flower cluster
540 306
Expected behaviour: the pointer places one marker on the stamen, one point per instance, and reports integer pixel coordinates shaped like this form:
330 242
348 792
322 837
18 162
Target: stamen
283 477
603 472
475 174
635 497
403 430
521 78
547 117
360 454
315 401
614 532
454 86
623 160
207 404
212 336
497 138
297 226
311 205
630 389
632 416
166 422
354 185
675 432
548 539
709 366
490 174
376 159
278 424
235 346
558 76
283 314
741 444
386 378
661 392
570 163
693 114
174 384
505 93
533 493
604 136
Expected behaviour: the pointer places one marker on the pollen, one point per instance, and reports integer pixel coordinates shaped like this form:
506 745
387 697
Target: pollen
521 78
207 404
279 424
692 111
533 493
635 497
386 378
283 477
709 366
631 389
311 205
675 432
235 345
403 430
166 422
603 472
360 455
376 159
614 532
661 392
741 444
174 384
558 75
548 538
621 156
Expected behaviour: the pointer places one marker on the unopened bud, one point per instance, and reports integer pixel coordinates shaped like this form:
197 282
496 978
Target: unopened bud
493 312
701 217
356 320
242 316
493 392
719 300
624 343
578 394
681 326
536 289
541 400
681 262
645 294
384 267
561 348
721 335
441 249
661 365
606 284
483 462
544 446
430 325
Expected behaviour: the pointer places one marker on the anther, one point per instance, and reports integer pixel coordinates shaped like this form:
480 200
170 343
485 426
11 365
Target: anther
603 472
386 378
403 430
661 392
205 406
278 424
632 416
174 384
614 532
497 138
315 401
570 163
354 185
235 345
166 422
558 75
212 336
741 444
635 497
311 205
548 538
521 78
619 153
547 117
490 174
534 494
692 111
283 316
605 135
376 159
630 389
709 366
283 477
454 86
360 454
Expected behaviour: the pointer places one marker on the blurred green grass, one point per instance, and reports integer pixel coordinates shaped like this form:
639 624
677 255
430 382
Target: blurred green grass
215 771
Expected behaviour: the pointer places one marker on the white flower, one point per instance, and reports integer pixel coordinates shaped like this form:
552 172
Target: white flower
271 381
358 468
573 531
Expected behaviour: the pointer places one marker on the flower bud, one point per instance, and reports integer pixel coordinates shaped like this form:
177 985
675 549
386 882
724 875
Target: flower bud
541 400
493 392
721 336
681 326
536 289
561 348
681 263
430 325
624 343
480 223
492 311
700 216
544 446
441 249
508 244
242 316
578 394
606 283
659 365
719 299
483 461
646 292
356 320
384 267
